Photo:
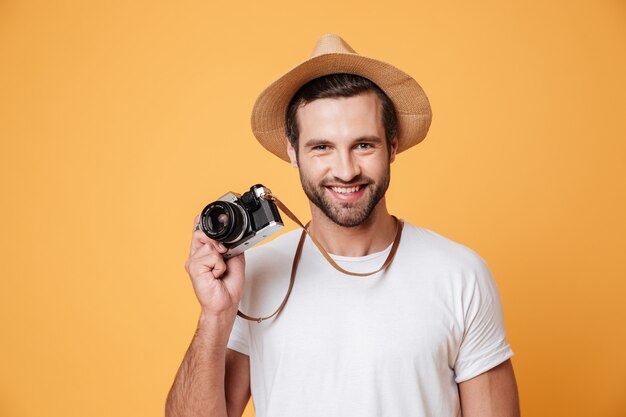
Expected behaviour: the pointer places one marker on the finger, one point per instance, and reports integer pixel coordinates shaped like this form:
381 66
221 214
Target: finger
199 238
204 250
197 241
195 245
214 263
196 222
219 269
211 262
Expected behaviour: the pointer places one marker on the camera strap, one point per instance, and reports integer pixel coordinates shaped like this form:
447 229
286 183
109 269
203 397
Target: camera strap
331 261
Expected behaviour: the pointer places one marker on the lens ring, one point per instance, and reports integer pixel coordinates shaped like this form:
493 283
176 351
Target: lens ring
224 221
240 225
217 221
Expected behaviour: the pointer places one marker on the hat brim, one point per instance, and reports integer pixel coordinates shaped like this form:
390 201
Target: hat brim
411 104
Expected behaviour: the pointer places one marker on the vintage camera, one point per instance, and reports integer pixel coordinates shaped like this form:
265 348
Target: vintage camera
241 221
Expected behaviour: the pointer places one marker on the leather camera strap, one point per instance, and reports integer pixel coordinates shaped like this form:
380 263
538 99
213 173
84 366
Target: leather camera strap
331 261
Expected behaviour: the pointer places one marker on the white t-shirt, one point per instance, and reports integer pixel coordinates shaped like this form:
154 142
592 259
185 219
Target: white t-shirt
391 344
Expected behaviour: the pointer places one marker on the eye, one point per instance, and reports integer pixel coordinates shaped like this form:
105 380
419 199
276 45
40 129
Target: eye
320 148
364 146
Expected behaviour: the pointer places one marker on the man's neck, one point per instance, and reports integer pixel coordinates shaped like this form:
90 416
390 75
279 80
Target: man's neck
373 235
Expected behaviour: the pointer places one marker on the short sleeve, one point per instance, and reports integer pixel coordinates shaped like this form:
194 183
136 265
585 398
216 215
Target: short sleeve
239 339
484 343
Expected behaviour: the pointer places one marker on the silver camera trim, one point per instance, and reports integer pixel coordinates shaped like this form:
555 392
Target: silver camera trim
229 197
273 227
261 192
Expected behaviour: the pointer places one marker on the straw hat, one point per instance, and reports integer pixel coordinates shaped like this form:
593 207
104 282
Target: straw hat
332 55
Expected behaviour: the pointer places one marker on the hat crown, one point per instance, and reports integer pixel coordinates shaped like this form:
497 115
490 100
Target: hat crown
331 44
332 55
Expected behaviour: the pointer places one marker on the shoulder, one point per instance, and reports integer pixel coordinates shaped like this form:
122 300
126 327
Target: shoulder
453 267
423 244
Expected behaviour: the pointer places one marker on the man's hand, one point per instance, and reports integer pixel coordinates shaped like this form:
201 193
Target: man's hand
218 284
199 387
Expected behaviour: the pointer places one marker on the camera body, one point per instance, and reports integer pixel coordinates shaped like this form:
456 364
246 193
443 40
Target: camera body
241 221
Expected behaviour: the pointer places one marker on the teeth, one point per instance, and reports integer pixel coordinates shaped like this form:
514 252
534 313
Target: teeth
346 190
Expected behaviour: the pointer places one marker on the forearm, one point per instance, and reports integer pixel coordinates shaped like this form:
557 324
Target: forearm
198 388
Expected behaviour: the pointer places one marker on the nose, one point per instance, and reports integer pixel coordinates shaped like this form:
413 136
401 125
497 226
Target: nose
346 167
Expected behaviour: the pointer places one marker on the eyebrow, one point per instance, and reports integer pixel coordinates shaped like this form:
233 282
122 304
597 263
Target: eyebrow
317 142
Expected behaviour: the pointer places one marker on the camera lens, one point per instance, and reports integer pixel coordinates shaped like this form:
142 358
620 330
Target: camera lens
217 221
224 221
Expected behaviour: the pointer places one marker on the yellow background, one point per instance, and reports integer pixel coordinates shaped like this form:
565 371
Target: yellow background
120 120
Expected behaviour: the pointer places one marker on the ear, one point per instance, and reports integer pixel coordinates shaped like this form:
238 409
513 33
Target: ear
393 149
292 155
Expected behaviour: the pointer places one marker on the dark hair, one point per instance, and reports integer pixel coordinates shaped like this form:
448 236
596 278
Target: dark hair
338 85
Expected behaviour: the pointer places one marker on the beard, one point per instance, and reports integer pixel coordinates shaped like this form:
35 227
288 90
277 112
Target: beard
346 214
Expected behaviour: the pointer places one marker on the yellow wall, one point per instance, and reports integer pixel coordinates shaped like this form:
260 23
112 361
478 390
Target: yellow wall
120 119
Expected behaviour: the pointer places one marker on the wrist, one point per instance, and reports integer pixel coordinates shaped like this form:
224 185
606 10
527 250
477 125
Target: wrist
215 327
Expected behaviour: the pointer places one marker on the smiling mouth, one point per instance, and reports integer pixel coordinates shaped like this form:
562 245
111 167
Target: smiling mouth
347 190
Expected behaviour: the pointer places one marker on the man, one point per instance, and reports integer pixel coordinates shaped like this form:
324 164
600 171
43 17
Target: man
422 337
